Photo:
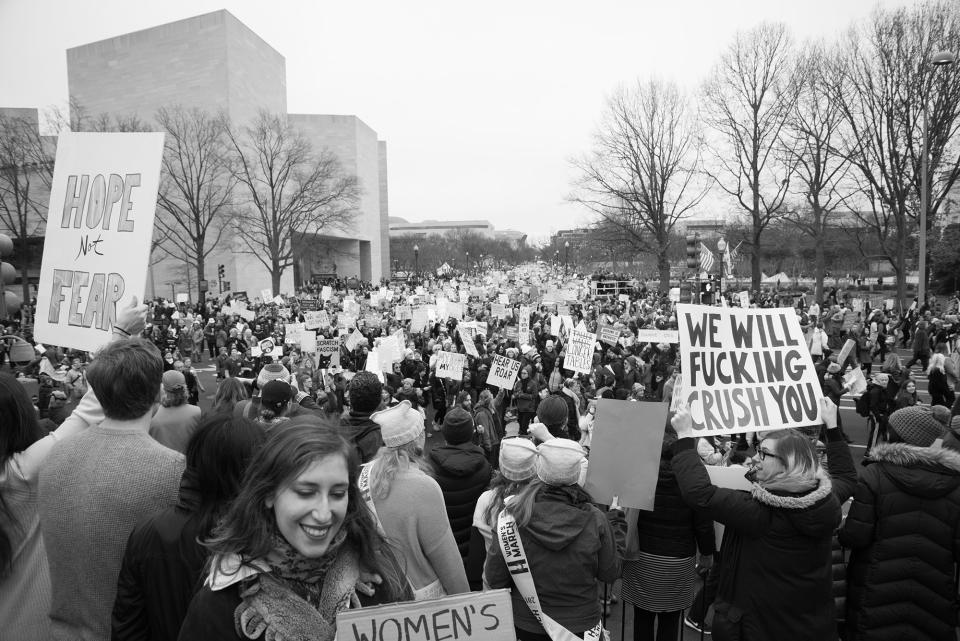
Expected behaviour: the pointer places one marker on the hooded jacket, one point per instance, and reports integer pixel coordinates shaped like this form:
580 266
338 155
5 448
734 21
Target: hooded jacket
570 546
364 433
463 474
776 579
903 529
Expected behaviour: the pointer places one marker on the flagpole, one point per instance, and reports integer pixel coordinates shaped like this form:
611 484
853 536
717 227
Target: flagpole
723 247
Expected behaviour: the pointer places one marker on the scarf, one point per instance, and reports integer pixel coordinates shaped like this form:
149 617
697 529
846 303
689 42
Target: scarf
297 599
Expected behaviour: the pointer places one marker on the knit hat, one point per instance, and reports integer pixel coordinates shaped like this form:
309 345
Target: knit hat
399 424
559 461
916 425
173 380
272 372
553 411
548 344
518 459
942 414
457 426
275 393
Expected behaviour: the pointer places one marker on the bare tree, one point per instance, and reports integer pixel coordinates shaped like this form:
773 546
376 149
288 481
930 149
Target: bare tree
26 168
811 138
747 102
885 83
196 185
290 188
640 177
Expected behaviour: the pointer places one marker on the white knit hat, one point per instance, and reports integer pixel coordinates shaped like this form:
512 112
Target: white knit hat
399 425
518 459
560 461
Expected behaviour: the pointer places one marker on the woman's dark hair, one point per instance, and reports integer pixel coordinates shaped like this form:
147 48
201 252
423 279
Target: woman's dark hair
217 455
502 487
19 429
230 392
248 527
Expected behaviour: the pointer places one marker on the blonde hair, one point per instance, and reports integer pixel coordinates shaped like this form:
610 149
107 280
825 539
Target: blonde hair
392 460
798 456
936 363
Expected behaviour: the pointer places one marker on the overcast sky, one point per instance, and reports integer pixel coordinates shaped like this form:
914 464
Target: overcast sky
481 104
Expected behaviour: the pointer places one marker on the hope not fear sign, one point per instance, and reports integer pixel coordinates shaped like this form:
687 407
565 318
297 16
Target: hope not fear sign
745 370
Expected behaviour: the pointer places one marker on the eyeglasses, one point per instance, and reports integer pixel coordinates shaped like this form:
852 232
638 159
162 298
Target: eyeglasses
762 454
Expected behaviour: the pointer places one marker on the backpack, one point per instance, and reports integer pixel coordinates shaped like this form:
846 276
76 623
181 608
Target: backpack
863 402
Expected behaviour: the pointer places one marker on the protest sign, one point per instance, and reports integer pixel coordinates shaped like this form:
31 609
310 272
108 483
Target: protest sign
745 370
472 616
504 299
503 372
293 332
308 342
327 346
316 320
418 321
674 295
326 292
625 452
579 356
346 320
391 351
855 382
658 336
266 295
523 327
278 300
857 305
309 304
450 365
482 329
510 333
563 310
403 312
498 311
466 335
846 350
266 347
608 334
96 247
373 364
744 297
183 298
354 339
464 296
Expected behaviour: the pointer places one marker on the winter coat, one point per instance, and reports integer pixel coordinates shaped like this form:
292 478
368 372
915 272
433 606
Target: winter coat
903 530
162 570
526 393
776 575
363 433
570 546
463 474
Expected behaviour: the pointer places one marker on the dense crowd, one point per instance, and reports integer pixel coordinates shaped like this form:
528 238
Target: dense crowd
306 488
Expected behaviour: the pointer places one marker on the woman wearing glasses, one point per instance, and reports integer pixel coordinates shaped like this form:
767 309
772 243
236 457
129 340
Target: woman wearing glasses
775 581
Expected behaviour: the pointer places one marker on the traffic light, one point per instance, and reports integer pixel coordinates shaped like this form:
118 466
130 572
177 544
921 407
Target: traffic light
9 302
221 271
693 252
226 285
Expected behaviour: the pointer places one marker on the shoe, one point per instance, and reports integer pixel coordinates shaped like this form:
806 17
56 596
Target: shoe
698 627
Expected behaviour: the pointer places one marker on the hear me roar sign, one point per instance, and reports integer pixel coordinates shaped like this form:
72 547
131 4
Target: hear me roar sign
744 370
99 227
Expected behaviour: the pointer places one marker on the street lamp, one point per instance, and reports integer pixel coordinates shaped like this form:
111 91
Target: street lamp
469 266
566 258
939 59
416 259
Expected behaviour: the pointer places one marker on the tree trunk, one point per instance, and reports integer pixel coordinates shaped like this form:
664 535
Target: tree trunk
755 261
819 267
275 275
900 269
201 293
663 264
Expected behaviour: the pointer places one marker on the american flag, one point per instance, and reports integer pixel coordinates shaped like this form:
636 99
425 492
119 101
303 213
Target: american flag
732 257
706 258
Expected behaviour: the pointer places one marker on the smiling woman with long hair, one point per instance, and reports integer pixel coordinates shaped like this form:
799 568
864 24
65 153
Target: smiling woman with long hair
297 545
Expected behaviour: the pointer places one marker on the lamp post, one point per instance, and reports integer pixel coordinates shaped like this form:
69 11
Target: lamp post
566 258
480 264
939 59
469 266
416 259
556 258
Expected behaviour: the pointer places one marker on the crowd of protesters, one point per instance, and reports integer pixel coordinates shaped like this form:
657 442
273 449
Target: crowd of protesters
306 488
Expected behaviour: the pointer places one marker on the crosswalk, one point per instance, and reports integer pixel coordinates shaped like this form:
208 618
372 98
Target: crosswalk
848 401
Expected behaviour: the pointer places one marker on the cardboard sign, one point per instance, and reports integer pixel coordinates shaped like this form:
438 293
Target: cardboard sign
451 365
293 332
183 298
657 336
674 295
96 248
608 334
503 372
579 356
746 370
308 342
472 616
316 320
523 326
625 452
354 339
419 320
846 350
498 311
326 293
266 295
328 346
466 335
278 300
744 299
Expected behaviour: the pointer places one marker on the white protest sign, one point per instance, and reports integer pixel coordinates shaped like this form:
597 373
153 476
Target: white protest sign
503 372
744 299
504 299
498 311
354 339
278 300
855 382
183 298
674 295
523 326
266 295
451 365
391 351
308 342
293 332
373 364
96 246
579 356
845 351
328 346
316 320
418 321
326 292
745 370
466 335
658 336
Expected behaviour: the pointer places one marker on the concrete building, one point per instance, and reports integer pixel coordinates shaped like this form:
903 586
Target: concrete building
215 62
400 228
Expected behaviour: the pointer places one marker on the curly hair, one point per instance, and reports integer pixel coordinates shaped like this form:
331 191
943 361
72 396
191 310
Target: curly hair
365 392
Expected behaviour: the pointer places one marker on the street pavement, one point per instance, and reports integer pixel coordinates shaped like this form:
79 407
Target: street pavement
853 424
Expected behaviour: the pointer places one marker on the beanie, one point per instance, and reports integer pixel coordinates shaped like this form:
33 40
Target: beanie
272 372
457 426
399 424
559 461
916 426
553 411
518 459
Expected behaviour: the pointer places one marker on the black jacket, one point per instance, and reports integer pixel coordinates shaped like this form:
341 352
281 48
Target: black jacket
673 529
776 573
463 473
363 433
162 570
903 529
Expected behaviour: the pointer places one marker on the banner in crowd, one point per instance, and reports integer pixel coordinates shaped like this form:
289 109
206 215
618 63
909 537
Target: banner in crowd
523 327
327 346
472 616
316 320
466 335
96 247
503 372
657 336
451 365
608 334
745 370
293 332
579 357
625 452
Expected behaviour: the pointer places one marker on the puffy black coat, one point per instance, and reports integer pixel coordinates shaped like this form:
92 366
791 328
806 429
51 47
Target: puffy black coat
673 528
776 577
903 530
364 433
463 473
